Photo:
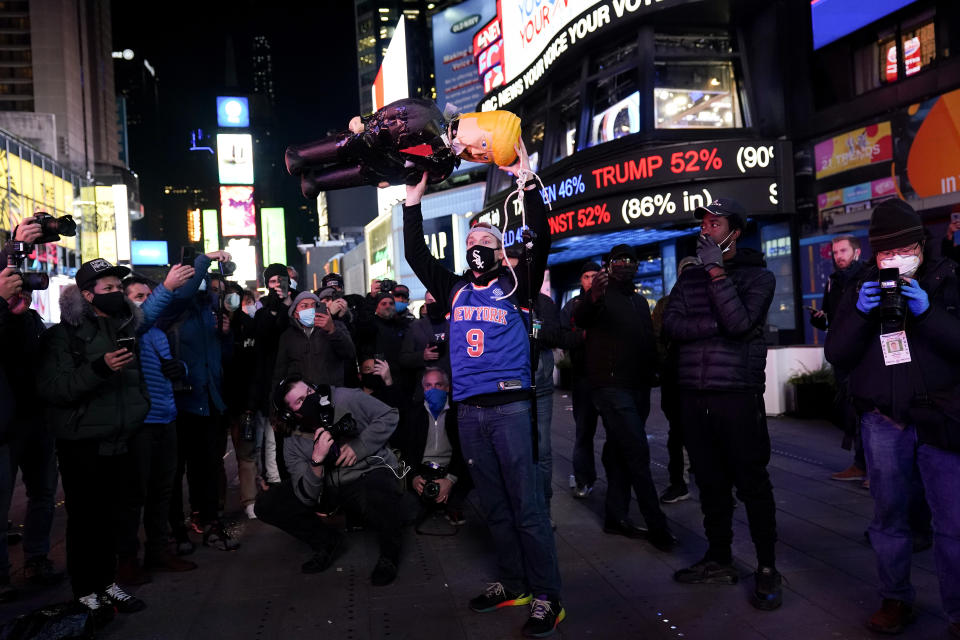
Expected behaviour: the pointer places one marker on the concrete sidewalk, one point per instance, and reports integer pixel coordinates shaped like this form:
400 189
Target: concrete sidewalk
613 587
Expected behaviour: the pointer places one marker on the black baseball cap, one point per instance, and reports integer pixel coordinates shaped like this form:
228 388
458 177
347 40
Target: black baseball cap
587 267
97 268
725 208
330 279
621 251
401 290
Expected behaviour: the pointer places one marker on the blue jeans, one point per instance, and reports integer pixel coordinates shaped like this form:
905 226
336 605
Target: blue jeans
544 423
895 461
497 445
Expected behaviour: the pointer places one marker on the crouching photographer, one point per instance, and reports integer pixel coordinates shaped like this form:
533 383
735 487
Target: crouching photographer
898 334
336 455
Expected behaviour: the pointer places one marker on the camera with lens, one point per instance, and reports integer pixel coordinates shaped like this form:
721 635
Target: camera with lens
431 472
387 286
228 268
893 306
32 280
343 429
53 228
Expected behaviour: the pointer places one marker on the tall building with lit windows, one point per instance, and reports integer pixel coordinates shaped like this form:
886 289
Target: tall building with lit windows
262 67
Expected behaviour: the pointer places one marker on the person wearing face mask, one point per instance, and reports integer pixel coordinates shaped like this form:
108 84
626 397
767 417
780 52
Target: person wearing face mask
620 363
905 382
425 343
846 258
491 362
314 346
377 381
95 402
355 471
155 446
383 331
401 297
715 319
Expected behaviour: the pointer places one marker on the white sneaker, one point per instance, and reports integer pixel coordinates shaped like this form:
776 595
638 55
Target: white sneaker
251 514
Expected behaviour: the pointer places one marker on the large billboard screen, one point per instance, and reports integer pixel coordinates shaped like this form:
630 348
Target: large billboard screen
274 236
235 158
233 111
457 76
833 19
391 81
244 254
106 224
149 252
237 212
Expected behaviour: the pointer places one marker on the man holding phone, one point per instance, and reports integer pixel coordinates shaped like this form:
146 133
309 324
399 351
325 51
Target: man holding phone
89 379
950 245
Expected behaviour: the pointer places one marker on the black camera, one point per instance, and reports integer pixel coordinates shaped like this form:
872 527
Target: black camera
32 280
343 429
440 343
431 472
53 228
228 268
893 306
387 286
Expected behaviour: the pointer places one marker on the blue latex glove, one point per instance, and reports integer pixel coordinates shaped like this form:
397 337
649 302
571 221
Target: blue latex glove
917 299
869 297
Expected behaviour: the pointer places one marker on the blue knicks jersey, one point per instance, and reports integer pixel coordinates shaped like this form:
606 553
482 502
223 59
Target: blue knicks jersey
489 346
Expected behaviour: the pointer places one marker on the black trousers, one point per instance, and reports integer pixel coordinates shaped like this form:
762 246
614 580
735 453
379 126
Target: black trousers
729 446
200 442
626 454
670 404
96 489
585 416
154 452
375 498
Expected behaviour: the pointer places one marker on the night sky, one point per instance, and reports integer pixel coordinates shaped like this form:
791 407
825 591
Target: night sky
315 84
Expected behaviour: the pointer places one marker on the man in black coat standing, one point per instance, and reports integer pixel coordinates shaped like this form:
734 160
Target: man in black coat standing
621 358
716 318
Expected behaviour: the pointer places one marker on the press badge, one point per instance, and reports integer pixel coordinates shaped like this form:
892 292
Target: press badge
896 350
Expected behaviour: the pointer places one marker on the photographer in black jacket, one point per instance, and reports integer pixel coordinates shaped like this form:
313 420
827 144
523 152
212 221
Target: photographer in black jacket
716 317
907 390
621 359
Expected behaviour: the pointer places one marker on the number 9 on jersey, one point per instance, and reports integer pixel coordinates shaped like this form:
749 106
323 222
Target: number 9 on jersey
475 343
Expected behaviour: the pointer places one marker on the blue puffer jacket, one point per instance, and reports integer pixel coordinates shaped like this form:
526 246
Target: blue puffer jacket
153 347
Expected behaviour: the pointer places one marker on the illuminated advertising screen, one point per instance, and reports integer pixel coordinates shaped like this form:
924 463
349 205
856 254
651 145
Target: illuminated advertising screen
391 81
618 120
458 80
244 254
237 212
193 225
149 252
211 234
106 224
833 19
854 149
235 158
122 215
274 236
233 111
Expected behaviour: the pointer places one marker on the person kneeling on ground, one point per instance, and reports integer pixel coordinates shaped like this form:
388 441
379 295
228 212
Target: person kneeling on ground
336 455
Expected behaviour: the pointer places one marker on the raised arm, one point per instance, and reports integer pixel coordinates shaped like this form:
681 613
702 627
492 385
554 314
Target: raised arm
438 280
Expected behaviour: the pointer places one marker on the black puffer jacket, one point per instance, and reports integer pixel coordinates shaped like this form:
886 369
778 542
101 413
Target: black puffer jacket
853 343
837 284
717 326
620 348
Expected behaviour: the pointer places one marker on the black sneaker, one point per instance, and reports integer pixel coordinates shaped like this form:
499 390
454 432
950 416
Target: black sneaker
215 535
624 528
545 615
322 559
662 539
123 601
185 546
496 597
675 493
98 607
384 573
39 572
708 572
768 592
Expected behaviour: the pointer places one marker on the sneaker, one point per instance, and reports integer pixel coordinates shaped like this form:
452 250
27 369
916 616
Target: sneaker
215 535
866 484
8 592
185 546
251 514
545 615
384 573
662 539
708 572
456 518
123 601
582 491
496 597
624 528
168 562
892 618
193 523
322 559
768 592
850 474
675 493
98 607
39 572
130 573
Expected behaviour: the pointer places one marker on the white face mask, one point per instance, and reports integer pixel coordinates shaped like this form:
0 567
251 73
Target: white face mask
906 265
250 310
293 283
139 303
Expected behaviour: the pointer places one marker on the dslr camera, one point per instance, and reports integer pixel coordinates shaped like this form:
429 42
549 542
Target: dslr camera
32 280
431 472
893 306
53 228
387 286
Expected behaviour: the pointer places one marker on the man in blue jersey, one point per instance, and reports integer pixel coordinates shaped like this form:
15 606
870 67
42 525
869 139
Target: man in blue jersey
490 359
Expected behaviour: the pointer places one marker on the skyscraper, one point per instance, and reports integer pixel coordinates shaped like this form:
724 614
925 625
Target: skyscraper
262 67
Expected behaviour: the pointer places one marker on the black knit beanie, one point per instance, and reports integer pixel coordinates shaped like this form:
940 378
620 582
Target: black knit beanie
894 224
274 269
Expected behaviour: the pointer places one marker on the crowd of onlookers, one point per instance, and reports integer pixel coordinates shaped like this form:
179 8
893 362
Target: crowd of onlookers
341 402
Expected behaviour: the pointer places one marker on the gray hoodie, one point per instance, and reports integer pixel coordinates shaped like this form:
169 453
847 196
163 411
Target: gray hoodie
376 422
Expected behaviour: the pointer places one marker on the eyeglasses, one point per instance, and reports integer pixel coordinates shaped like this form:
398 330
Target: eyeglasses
902 251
